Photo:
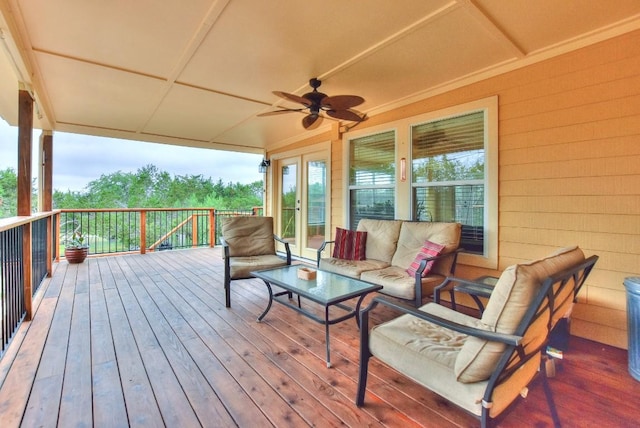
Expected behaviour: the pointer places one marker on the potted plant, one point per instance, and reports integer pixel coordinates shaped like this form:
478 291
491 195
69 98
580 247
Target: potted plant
75 250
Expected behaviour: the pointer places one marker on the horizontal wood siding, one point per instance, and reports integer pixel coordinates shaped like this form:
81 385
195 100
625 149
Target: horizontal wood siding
570 172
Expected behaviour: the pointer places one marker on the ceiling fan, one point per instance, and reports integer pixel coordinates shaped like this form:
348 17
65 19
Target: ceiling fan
338 107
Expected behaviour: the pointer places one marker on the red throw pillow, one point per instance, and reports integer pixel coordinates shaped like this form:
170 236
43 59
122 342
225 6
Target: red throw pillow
429 249
350 245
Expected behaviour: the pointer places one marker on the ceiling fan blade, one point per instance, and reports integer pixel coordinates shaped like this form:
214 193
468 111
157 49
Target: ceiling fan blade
292 97
311 121
275 112
341 102
346 115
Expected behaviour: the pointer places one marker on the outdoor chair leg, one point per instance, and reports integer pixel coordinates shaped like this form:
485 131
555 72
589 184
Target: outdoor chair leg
365 354
227 293
549 394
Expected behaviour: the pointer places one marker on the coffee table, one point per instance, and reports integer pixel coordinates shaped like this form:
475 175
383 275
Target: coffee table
327 289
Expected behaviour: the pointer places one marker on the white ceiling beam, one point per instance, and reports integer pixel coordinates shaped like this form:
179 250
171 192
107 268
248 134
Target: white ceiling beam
209 20
447 8
494 29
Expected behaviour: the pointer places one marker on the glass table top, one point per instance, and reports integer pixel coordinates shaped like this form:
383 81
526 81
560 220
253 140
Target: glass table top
325 288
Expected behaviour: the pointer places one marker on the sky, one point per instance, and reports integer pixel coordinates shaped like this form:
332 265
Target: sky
79 159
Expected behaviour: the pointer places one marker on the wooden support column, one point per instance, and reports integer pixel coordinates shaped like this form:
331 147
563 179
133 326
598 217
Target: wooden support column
25 148
25 129
45 177
45 189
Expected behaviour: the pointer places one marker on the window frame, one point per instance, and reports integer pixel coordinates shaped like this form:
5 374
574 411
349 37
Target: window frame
404 181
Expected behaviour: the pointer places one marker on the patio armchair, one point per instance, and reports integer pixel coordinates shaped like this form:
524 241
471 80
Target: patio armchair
481 365
248 244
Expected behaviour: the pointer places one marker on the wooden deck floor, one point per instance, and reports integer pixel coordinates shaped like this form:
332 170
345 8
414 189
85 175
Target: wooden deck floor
146 341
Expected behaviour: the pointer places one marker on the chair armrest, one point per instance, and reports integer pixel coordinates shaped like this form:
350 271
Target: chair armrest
286 247
423 265
508 339
454 280
423 262
225 248
320 250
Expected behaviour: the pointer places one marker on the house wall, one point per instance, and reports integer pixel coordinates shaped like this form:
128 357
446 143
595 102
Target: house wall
569 156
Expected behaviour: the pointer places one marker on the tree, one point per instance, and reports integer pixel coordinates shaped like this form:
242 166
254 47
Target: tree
8 193
149 187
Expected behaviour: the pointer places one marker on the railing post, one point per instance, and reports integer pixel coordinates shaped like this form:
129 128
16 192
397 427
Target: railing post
49 242
143 232
27 268
194 230
212 227
57 249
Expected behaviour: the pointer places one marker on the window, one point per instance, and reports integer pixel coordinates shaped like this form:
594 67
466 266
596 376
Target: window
448 171
372 181
437 166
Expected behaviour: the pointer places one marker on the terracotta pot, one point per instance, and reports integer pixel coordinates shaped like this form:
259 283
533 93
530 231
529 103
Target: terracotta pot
76 255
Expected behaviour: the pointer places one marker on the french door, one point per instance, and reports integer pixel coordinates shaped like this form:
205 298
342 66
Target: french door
302 202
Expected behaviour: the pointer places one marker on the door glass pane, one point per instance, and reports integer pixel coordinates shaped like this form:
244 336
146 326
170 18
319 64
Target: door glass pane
316 201
289 203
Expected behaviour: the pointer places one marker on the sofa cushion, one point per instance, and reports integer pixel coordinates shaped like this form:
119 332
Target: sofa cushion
249 236
350 245
509 301
352 268
382 237
397 283
414 234
429 249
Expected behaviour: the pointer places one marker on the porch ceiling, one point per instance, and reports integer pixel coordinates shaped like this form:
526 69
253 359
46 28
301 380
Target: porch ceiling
199 75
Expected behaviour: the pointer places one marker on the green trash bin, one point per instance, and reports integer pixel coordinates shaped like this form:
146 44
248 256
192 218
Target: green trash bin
632 284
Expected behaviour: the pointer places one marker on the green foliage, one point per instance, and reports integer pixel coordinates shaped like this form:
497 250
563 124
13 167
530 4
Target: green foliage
76 240
149 187
8 193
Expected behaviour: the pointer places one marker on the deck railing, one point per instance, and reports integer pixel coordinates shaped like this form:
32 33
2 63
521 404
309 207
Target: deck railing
25 260
29 245
109 231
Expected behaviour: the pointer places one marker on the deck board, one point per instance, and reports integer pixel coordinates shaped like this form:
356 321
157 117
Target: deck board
146 340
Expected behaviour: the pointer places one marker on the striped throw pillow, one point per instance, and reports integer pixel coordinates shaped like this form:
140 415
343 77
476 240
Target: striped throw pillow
350 245
429 249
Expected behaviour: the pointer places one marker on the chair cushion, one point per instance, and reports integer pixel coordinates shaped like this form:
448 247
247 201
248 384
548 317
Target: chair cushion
382 237
429 249
249 236
350 245
240 267
510 299
413 235
426 353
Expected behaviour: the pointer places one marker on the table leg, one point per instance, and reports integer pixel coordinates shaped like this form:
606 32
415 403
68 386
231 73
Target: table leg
326 334
270 301
357 310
